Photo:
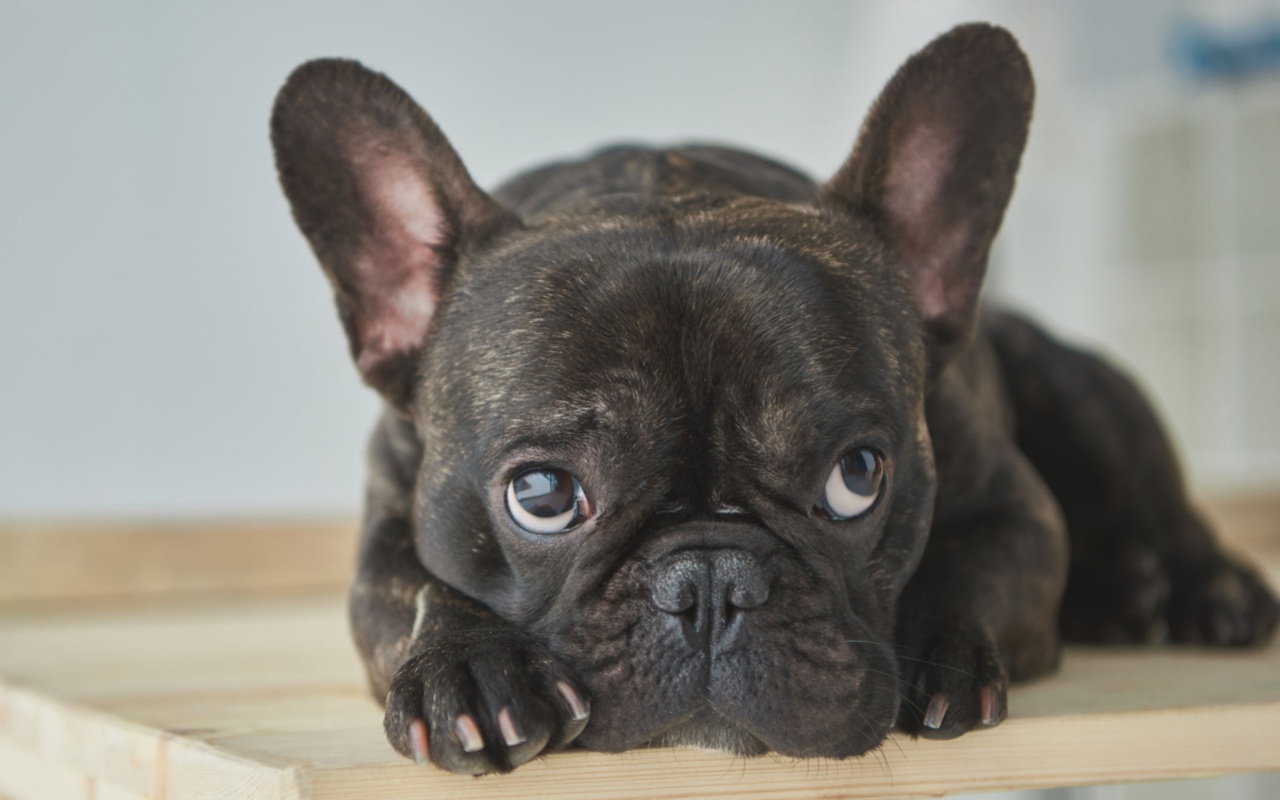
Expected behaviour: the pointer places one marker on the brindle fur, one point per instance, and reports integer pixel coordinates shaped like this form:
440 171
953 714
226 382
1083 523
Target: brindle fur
699 333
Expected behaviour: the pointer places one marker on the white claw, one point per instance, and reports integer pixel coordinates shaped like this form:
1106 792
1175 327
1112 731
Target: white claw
468 733
574 701
512 735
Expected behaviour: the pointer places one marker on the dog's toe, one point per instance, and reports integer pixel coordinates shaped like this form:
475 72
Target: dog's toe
953 684
1224 605
483 702
1120 599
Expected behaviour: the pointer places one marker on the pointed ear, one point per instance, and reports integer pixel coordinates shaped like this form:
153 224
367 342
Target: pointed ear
934 166
386 204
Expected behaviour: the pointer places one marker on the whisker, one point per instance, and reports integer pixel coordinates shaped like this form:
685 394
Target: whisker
901 695
877 749
861 641
917 660
936 664
898 745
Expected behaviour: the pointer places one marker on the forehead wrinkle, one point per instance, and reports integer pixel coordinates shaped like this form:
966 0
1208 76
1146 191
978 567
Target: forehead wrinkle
611 417
821 425
689 314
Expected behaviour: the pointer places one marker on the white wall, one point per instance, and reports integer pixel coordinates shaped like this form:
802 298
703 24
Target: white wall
168 344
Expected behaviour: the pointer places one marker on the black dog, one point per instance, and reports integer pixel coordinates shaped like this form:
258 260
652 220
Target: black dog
682 448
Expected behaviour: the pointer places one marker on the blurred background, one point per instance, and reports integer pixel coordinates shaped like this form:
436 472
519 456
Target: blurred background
170 348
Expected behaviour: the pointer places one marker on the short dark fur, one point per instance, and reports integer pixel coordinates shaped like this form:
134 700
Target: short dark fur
698 334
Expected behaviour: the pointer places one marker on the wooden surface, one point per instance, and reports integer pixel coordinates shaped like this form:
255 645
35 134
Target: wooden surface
77 560
199 696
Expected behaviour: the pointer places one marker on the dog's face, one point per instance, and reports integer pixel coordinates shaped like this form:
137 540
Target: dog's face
679 436
673 386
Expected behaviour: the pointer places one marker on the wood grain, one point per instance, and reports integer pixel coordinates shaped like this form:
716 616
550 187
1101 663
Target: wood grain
265 699
52 560
76 561
228 683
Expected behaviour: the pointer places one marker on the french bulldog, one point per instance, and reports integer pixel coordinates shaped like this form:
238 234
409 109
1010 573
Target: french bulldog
683 448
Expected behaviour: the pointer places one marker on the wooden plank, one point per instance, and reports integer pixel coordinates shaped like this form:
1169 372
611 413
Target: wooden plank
1018 755
197 694
55 747
1246 519
24 776
266 699
44 561
76 561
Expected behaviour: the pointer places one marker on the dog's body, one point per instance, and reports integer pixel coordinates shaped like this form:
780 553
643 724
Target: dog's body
788 497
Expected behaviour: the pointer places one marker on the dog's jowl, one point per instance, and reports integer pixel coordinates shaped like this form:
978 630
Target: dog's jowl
681 447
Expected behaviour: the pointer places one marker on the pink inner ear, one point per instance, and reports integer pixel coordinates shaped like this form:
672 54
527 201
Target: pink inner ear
397 269
929 243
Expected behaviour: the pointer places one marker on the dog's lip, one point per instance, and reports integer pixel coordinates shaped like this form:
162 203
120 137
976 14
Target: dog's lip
709 727
705 726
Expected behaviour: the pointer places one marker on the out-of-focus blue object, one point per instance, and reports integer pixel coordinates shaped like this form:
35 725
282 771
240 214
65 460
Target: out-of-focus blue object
1227 56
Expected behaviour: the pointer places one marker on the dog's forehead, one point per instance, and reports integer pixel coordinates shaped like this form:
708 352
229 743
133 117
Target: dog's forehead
768 321
619 224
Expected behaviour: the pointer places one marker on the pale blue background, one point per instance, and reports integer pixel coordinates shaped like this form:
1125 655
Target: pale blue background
168 345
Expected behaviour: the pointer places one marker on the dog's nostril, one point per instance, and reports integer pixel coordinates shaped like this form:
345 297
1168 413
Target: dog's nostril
675 587
704 586
677 600
746 585
748 596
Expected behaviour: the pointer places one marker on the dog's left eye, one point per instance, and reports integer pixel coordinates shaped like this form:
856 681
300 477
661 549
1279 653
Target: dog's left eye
853 485
547 501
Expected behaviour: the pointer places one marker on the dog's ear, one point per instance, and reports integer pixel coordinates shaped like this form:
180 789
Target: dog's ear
934 166
386 204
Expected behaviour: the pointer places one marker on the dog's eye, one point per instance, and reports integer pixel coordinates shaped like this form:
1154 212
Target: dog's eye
546 501
854 484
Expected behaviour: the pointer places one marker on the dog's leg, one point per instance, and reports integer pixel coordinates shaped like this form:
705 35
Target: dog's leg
980 609
1143 563
461 686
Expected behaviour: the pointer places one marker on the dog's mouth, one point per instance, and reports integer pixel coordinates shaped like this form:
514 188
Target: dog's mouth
703 727
840 730
708 729
719 647
749 706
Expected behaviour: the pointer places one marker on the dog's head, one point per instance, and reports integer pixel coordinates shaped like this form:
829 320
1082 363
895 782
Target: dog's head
681 435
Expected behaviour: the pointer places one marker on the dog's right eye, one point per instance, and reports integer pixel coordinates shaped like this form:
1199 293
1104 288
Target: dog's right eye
853 486
547 501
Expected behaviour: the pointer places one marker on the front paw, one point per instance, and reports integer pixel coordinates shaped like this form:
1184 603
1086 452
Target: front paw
1222 604
483 701
951 682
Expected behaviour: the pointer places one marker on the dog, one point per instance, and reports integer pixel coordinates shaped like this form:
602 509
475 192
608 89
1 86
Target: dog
683 448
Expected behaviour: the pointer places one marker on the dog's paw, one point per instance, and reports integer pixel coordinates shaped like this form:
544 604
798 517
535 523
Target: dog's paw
1120 599
483 701
950 683
1224 604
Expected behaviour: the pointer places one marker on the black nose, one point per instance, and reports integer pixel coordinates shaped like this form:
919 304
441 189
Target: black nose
708 591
